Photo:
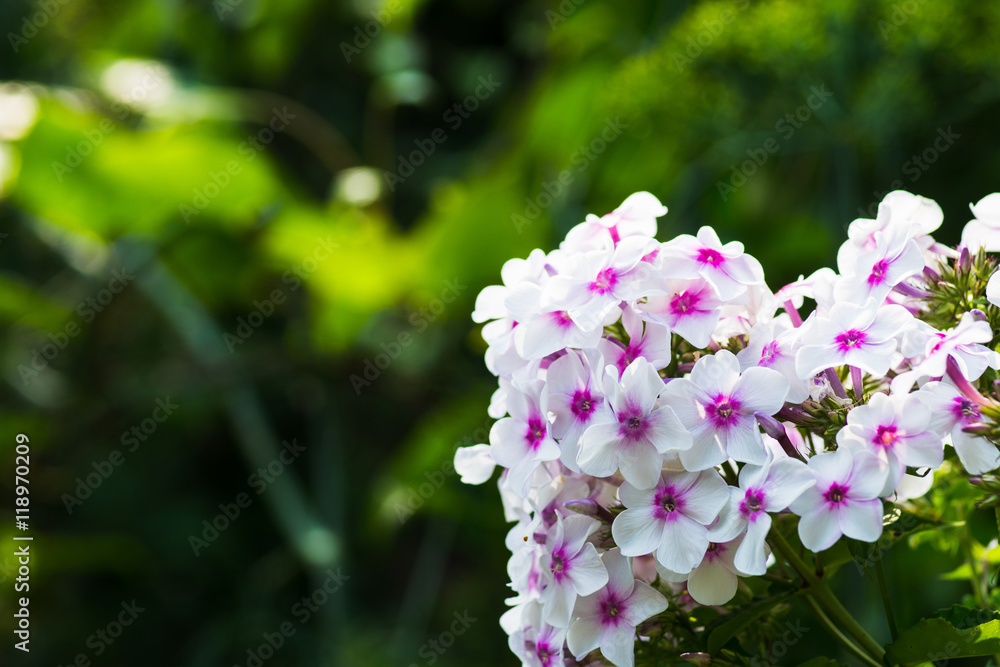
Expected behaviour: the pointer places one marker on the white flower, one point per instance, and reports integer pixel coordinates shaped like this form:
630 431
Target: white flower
950 413
861 336
897 430
771 487
726 267
716 578
671 518
844 501
576 398
571 567
640 433
717 404
522 441
608 618
689 308
772 345
984 231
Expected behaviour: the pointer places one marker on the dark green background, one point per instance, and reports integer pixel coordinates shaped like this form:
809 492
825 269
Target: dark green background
699 88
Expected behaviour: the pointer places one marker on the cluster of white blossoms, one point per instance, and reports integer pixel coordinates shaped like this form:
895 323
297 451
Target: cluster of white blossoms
658 403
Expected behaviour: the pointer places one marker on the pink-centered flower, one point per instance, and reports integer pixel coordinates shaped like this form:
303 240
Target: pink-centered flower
873 274
538 644
717 404
671 519
576 397
844 501
648 340
522 441
773 345
951 412
897 430
594 284
542 330
641 430
726 267
862 336
771 487
608 618
689 308
933 348
570 568
635 217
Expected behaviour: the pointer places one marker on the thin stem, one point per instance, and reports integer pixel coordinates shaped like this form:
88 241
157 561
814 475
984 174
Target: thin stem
818 589
858 382
883 590
977 589
838 635
793 313
835 383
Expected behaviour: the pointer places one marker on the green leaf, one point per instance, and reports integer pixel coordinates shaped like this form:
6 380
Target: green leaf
937 639
725 631
966 617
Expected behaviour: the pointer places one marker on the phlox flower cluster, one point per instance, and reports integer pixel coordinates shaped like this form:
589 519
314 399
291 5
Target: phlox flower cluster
659 405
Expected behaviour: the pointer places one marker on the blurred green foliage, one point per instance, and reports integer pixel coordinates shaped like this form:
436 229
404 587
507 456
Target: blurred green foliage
121 165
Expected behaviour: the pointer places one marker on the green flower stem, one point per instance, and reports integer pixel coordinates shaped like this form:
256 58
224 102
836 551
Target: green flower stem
840 636
883 590
821 593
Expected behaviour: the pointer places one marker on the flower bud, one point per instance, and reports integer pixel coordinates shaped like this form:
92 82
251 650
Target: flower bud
582 506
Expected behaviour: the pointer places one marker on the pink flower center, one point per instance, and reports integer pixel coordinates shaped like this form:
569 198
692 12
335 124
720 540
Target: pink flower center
723 411
714 552
769 353
851 339
545 654
752 503
561 319
711 257
632 424
965 410
683 303
877 276
885 436
536 432
669 504
559 565
605 281
583 404
836 493
611 610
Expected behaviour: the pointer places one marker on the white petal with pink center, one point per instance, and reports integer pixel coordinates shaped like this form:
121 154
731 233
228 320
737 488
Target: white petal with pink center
844 501
522 441
773 345
607 619
950 413
861 336
689 308
671 519
771 487
576 398
570 568
640 433
897 430
726 267
717 404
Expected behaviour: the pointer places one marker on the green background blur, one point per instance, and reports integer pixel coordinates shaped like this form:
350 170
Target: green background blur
267 274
